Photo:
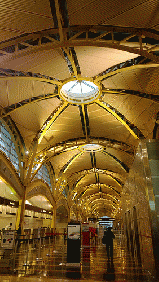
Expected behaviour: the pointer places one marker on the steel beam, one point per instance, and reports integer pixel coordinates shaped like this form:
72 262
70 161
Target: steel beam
101 36
29 77
71 58
10 109
120 118
126 68
51 120
60 148
152 97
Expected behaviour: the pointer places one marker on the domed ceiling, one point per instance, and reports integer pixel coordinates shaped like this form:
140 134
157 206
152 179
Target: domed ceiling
80 80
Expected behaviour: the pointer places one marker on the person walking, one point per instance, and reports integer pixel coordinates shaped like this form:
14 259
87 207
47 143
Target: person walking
108 240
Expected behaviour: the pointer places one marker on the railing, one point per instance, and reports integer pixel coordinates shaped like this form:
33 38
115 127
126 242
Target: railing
26 251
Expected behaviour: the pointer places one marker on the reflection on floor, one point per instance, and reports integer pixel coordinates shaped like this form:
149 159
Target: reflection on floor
45 260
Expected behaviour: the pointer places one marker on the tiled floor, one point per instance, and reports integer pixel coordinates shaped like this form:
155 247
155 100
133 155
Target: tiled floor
46 261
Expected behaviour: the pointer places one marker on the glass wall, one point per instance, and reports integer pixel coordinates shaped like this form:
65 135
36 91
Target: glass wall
8 147
43 173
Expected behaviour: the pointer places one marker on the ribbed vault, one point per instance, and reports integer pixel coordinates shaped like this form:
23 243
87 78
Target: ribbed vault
89 145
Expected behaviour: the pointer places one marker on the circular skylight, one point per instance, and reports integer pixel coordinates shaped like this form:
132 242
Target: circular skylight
79 91
91 148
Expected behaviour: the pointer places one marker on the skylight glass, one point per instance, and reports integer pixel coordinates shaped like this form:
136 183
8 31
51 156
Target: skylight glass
79 91
91 148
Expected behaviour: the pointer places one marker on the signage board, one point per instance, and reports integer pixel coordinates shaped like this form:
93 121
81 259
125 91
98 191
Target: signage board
73 244
85 227
7 239
106 219
74 232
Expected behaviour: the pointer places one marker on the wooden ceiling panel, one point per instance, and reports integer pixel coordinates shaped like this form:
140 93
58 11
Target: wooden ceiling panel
15 90
94 60
60 160
4 99
129 104
32 122
107 162
39 88
131 79
153 83
42 8
36 114
144 78
7 34
119 81
46 62
139 15
146 121
19 91
61 133
121 155
127 13
116 100
25 16
109 83
80 163
138 109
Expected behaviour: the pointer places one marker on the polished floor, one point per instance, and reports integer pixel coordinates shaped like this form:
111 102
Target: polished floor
46 260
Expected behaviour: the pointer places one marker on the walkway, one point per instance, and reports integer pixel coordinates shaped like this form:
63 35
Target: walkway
46 261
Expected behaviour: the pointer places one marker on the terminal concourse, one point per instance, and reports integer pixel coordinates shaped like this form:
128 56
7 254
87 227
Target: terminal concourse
79 139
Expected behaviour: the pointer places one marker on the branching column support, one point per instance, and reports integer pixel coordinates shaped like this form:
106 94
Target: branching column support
53 222
69 211
31 161
26 180
20 214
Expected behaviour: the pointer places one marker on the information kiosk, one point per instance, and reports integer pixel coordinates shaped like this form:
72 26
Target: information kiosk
73 244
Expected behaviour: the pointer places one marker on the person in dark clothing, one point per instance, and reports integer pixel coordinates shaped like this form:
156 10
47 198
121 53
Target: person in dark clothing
108 239
18 236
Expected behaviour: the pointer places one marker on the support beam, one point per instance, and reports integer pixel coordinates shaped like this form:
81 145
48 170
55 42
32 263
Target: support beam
70 162
20 214
73 144
51 120
71 58
53 222
10 109
120 70
123 165
122 38
31 78
59 19
30 162
116 115
151 97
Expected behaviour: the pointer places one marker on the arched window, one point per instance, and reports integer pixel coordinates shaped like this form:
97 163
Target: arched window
43 173
8 147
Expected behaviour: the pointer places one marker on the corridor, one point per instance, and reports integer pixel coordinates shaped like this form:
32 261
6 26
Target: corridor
45 260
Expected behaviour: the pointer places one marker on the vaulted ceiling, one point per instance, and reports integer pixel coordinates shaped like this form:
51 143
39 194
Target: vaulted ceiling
90 141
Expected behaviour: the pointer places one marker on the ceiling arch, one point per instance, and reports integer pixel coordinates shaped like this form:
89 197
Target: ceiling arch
118 52
39 187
